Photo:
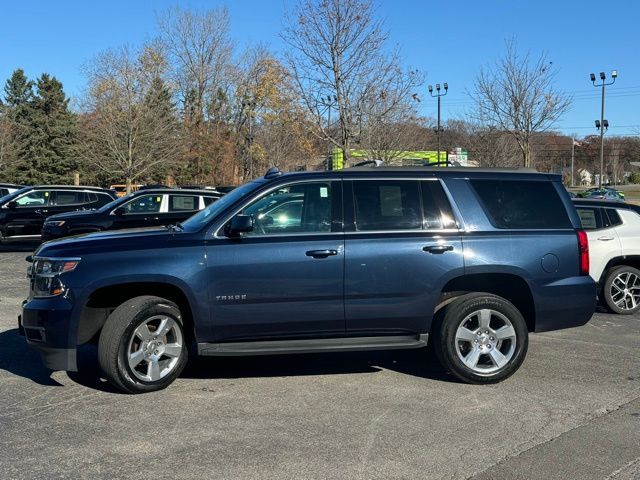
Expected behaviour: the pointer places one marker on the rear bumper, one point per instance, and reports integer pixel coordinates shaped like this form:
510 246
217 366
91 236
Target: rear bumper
567 303
45 324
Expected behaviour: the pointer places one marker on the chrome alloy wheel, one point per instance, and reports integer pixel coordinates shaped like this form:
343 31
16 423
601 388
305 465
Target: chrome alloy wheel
625 290
154 348
485 341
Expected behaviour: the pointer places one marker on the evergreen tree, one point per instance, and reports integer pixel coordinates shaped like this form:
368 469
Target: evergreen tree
47 143
14 122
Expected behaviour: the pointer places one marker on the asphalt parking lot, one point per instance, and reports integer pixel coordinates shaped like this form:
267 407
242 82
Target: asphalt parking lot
572 411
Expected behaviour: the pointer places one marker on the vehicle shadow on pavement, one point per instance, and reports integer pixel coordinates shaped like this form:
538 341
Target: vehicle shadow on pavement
28 247
18 359
416 363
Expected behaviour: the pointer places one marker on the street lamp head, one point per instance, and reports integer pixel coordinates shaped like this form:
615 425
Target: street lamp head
446 86
430 88
614 74
602 76
605 124
438 87
593 77
598 124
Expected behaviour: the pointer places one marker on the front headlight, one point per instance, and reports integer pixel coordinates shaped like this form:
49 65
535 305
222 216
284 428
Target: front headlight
56 223
46 273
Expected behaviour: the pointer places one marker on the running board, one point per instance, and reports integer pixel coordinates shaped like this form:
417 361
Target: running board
343 344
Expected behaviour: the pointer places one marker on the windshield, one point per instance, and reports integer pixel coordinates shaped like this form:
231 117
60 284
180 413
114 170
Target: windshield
11 196
203 217
114 203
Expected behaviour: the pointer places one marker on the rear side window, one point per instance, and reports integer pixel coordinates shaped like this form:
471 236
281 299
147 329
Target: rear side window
590 218
522 204
436 207
614 217
103 199
69 198
208 200
181 203
387 205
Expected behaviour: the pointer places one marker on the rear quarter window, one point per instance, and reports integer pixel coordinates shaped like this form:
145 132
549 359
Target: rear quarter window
518 204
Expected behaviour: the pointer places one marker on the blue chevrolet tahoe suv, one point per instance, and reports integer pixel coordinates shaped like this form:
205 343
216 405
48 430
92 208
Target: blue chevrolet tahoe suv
468 261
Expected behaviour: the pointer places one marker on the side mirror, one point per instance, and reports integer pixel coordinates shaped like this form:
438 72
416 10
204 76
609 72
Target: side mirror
119 211
240 224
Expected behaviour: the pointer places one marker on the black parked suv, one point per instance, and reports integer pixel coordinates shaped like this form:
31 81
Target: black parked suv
144 208
468 261
23 212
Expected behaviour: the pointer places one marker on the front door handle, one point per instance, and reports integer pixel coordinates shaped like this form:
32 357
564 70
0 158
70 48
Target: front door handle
605 239
40 212
321 253
437 249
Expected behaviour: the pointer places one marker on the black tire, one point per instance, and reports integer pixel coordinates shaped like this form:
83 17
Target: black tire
118 333
447 348
606 289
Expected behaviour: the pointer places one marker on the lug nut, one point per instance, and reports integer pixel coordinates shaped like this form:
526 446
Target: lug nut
487 332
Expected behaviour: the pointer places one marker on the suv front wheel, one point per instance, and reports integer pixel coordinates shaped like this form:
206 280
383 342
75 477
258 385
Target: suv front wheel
481 338
142 345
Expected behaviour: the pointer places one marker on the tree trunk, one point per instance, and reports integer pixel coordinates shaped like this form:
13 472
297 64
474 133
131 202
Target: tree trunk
128 182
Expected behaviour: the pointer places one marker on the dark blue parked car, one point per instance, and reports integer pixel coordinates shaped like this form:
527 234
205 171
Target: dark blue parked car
467 260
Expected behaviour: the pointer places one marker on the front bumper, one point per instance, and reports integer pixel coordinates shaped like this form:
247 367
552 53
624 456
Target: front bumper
45 324
50 232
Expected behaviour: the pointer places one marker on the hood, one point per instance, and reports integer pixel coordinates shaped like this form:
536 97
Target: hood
72 215
104 242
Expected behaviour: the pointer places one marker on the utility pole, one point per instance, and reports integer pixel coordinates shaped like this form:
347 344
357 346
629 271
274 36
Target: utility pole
573 151
601 124
438 95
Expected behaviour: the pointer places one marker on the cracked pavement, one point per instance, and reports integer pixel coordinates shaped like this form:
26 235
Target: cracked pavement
572 411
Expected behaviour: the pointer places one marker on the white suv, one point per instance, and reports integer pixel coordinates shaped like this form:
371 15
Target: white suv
613 229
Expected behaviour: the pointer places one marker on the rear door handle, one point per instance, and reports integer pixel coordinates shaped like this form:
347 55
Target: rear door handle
437 249
605 239
321 253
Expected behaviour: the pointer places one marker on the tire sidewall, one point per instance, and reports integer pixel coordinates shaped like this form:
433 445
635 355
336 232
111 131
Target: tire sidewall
124 370
454 316
607 289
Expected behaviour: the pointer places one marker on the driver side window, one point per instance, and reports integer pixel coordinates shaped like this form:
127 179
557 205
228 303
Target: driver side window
144 204
298 208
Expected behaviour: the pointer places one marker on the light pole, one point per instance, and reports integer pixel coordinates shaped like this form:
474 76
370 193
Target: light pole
438 94
601 124
329 102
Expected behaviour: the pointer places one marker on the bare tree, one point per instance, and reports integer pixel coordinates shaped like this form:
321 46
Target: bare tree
130 128
517 95
386 130
199 51
337 52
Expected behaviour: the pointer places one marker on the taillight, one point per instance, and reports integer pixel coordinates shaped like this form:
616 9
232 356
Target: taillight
583 250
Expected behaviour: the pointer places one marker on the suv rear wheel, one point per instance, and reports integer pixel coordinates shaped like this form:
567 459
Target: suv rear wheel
621 290
481 338
142 345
